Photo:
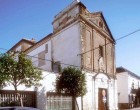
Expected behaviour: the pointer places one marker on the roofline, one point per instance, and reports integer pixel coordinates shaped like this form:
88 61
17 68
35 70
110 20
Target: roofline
68 7
44 39
111 39
22 40
100 12
129 72
36 44
108 27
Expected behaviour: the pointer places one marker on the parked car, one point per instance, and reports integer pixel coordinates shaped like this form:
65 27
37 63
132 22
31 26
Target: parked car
18 108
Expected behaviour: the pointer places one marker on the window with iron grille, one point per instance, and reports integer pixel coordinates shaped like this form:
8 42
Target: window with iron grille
58 101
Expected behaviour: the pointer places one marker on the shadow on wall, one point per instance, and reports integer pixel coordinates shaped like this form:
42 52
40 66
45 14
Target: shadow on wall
42 99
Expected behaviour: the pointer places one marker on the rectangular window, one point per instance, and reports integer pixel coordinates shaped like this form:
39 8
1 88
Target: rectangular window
101 51
56 67
41 59
46 48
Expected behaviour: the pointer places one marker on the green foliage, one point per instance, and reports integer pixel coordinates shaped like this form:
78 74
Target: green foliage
71 81
18 70
7 65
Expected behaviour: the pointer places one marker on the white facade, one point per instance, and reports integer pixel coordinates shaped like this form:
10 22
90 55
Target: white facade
64 46
123 87
34 54
127 82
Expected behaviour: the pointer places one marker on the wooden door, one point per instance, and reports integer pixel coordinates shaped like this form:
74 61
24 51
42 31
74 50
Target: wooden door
102 99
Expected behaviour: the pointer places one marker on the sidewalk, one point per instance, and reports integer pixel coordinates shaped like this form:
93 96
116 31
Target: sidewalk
132 109
135 108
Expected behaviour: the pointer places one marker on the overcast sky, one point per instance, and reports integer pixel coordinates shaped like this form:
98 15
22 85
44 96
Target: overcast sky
33 19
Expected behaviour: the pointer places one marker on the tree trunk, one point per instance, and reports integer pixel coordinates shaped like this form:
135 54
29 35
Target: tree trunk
74 103
15 87
19 97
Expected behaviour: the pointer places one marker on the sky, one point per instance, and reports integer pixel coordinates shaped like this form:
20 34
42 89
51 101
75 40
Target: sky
33 19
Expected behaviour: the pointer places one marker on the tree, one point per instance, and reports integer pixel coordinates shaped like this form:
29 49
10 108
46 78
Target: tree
71 81
5 68
18 70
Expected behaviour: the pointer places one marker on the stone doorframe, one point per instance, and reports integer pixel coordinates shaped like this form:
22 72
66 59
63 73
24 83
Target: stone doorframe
102 99
101 80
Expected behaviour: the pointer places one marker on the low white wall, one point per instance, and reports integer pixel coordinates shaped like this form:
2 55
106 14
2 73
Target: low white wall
48 85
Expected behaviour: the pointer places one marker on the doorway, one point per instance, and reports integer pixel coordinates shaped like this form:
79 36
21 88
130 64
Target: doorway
102 99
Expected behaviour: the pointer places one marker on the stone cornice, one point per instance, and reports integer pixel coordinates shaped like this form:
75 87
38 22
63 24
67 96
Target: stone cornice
84 20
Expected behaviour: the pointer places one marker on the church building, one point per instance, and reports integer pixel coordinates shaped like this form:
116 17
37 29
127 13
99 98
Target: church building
83 40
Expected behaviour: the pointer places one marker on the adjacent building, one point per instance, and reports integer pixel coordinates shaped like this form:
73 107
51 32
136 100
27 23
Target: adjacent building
128 83
23 44
83 40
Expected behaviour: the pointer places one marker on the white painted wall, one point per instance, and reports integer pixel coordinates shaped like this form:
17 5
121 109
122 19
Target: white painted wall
47 86
115 94
134 80
66 45
88 99
18 48
100 81
122 82
48 56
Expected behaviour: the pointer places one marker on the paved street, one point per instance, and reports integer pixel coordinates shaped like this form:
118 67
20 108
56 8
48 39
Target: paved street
135 109
132 109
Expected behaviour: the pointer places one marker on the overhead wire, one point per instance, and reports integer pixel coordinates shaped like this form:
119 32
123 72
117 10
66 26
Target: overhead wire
128 34
111 43
52 61
3 49
34 56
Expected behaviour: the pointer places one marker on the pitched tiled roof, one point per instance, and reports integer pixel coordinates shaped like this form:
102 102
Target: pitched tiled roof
37 44
122 69
32 42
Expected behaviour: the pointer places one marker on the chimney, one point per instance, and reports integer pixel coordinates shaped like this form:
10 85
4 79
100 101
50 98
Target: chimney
33 40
